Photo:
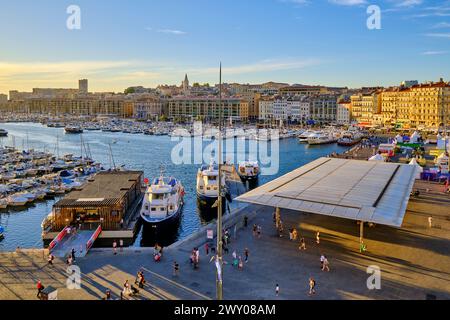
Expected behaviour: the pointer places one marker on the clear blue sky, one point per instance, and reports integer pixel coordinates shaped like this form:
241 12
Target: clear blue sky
150 42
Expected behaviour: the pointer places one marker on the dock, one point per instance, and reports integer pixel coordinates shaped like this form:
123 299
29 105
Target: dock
110 200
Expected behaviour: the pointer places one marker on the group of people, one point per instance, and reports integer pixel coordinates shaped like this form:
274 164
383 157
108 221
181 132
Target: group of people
140 279
238 261
115 246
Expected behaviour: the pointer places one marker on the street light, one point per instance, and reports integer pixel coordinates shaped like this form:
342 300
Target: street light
219 262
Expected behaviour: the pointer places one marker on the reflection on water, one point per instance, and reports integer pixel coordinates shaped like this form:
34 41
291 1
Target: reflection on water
138 152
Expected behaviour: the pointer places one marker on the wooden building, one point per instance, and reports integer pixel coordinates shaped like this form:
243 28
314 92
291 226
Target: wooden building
105 199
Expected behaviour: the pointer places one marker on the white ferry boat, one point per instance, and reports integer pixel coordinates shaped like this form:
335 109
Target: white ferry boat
163 202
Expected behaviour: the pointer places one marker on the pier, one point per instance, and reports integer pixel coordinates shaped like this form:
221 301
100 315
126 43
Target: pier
110 200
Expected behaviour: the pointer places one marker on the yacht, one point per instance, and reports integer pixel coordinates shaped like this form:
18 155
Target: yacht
248 170
3 133
321 138
349 139
208 184
162 202
303 138
73 129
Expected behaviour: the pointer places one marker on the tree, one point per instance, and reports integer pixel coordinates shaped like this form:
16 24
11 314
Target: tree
129 90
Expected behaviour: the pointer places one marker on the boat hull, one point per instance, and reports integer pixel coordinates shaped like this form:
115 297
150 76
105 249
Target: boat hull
169 223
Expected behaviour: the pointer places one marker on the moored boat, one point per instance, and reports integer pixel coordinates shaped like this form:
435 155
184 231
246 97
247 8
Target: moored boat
163 202
248 170
73 129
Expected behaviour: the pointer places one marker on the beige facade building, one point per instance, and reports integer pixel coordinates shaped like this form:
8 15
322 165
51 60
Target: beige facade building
419 106
364 106
203 107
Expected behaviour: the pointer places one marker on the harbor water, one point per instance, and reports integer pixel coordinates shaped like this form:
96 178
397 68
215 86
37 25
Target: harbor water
136 152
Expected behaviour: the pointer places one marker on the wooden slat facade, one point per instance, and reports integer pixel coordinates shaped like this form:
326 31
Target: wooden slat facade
110 205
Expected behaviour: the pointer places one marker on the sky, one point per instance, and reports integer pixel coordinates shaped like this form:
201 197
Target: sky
151 42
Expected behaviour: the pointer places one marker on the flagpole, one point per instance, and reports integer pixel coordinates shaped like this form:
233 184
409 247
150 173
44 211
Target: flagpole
219 276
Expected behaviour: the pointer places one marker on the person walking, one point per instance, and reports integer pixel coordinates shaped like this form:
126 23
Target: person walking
312 286
39 287
322 259
121 223
246 254
121 245
245 221
258 231
176 269
115 247
430 222
318 237
50 259
277 290
255 230
302 244
240 264
73 254
207 249
294 234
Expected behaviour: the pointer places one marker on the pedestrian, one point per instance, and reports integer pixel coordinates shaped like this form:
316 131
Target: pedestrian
235 259
322 259
255 229
115 247
277 290
107 295
176 268
246 254
294 234
245 221
50 259
121 223
240 264
312 286
430 221
326 264
73 254
207 249
258 231
121 245
302 244
40 287
318 237
291 234
69 260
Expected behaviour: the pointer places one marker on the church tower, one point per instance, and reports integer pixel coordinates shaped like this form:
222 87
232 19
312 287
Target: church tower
186 83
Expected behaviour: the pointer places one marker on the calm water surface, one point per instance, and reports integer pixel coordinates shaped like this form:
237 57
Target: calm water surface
137 152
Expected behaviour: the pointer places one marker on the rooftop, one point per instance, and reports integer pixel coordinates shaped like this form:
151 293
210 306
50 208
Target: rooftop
106 188
366 191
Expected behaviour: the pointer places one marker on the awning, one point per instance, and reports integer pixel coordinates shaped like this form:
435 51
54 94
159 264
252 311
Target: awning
368 191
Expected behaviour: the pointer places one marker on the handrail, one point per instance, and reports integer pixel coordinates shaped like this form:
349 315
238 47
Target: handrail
93 238
58 238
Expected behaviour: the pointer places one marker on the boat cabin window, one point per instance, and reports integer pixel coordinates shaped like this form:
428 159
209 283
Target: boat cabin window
153 209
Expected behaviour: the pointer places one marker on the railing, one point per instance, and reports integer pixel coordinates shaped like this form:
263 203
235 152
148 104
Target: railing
93 238
58 238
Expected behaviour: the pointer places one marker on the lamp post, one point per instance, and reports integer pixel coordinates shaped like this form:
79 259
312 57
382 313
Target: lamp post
219 262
